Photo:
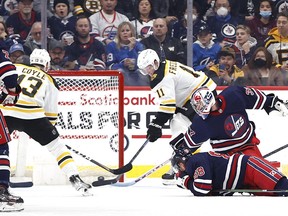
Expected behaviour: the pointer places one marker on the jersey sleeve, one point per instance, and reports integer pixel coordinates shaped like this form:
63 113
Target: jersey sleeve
51 101
200 172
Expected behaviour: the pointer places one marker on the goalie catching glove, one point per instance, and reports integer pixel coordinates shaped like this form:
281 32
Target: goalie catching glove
10 98
277 104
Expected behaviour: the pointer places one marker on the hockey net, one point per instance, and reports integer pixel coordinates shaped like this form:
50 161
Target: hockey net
90 120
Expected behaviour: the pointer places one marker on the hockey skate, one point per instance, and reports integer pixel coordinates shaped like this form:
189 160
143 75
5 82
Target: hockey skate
9 202
169 178
80 185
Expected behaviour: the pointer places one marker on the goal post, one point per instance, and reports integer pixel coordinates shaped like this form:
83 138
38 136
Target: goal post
90 119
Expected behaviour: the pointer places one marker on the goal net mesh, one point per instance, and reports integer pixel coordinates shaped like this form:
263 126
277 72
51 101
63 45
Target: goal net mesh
90 120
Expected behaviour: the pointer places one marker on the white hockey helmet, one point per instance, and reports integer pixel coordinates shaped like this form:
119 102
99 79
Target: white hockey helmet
145 58
40 57
202 100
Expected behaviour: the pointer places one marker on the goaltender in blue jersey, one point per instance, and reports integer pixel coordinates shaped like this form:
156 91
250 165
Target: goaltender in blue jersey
224 121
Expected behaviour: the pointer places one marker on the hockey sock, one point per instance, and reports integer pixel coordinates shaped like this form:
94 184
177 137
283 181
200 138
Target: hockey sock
64 159
4 165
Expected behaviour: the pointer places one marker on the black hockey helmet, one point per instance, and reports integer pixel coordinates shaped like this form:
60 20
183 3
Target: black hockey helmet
176 160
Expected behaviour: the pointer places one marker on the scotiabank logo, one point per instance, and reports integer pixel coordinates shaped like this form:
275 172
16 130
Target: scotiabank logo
145 100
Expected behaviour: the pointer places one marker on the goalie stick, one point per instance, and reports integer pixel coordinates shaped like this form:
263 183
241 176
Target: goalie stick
118 171
249 191
114 180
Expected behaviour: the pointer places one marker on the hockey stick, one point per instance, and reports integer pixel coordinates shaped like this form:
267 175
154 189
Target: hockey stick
275 151
118 171
250 191
114 180
125 184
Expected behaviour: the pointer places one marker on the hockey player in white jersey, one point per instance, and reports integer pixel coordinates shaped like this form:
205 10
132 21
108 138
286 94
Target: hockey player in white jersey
174 84
36 112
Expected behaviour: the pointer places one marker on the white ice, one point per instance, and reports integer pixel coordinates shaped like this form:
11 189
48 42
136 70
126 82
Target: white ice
146 198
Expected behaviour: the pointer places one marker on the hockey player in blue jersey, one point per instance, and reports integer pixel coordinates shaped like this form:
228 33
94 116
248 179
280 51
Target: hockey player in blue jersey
225 122
214 174
9 95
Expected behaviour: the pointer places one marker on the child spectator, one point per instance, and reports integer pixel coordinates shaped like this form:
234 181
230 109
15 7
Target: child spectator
244 46
205 50
62 22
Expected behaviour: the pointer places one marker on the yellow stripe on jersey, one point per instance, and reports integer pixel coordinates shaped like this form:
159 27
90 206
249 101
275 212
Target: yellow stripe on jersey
168 106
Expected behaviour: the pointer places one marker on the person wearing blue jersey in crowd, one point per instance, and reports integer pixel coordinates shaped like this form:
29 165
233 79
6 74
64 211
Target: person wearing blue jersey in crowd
214 174
224 121
122 55
205 50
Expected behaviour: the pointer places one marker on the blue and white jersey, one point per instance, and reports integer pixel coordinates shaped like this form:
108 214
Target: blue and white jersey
229 127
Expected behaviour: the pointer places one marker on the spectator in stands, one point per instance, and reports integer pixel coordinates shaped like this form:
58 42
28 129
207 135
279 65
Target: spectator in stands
86 8
3 31
161 10
165 46
106 21
56 51
205 50
223 23
128 7
144 18
226 72
62 23
17 54
179 28
244 46
86 52
262 22
206 7
177 8
21 22
7 8
245 8
276 43
34 41
260 72
122 55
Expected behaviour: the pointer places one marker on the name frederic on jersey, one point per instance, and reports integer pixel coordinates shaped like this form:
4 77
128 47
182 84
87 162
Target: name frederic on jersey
110 100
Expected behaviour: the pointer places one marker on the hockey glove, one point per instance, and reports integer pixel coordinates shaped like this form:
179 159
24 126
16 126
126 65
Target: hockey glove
155 127
154 132
277 104
9 98
179 145
182 182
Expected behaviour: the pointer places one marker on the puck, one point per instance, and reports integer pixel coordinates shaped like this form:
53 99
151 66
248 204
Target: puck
101 178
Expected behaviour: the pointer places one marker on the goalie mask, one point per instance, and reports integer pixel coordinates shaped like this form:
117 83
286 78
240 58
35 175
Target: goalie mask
202 101
148 61
40 57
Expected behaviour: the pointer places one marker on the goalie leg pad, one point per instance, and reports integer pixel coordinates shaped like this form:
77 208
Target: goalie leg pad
64 158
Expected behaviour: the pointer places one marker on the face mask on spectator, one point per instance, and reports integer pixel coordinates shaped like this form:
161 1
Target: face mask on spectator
222 11
260 62
265 14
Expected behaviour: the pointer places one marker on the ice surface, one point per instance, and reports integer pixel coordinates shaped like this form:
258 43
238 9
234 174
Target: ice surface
146 198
